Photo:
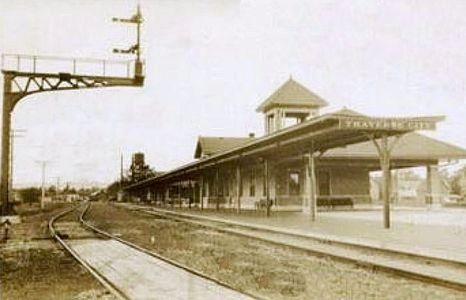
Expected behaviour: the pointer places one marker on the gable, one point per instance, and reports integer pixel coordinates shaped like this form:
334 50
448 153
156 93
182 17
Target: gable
207 146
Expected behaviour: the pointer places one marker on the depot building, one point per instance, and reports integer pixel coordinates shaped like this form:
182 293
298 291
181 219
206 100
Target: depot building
304 157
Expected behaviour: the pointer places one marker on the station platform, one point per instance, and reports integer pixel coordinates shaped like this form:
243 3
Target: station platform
141 276
432 232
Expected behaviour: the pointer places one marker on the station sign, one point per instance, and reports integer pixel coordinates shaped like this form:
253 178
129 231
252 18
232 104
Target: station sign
401 124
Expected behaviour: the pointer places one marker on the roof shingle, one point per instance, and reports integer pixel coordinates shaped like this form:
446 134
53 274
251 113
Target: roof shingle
292 93
411 146
209 145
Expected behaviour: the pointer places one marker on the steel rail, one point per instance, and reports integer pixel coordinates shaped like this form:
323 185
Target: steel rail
107 284
326 240
203 221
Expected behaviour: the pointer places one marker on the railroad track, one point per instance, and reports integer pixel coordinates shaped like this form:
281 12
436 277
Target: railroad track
431 270
204 286
60 238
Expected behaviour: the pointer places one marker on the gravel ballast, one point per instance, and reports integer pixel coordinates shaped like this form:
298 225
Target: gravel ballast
33 266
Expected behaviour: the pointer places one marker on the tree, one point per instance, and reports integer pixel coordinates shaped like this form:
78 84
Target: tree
30 195
457 182
113 189
51 190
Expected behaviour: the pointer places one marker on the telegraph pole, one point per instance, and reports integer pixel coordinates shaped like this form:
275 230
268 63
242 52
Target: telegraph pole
121 171
43 164
13 135
57 188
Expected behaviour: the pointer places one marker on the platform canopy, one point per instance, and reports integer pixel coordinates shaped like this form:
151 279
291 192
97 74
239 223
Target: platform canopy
317 135
310 138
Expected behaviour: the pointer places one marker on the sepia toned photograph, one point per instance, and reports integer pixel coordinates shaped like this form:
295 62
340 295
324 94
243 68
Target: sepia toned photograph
233 149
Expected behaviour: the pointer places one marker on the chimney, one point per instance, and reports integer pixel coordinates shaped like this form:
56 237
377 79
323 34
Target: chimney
251 134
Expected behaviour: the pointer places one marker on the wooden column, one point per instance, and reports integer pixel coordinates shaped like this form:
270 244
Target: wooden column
216 184
395 186
162 195
207 190
428 197
172 200
434 186
384 150
385 166
179 193
384 157
167 195
313 187
266 186
201 188
266 124
310 185
238 188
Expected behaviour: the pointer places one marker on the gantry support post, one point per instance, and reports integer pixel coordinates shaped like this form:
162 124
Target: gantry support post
8 99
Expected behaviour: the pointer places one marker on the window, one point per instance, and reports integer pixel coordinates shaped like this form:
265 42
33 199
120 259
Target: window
323 179
210 187
226 186
270 125
220 185
293 183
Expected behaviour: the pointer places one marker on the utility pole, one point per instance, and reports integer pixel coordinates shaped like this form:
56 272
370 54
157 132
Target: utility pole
57 188
121 171
43 164
13 135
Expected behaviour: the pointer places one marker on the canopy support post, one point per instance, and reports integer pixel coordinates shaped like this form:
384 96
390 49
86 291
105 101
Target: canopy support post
310 183
238 187
384 150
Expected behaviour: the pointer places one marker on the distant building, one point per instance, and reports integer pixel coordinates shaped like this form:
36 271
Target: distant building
406 190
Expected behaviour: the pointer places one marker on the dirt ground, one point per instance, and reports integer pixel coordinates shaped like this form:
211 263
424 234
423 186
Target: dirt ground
259 268
33 266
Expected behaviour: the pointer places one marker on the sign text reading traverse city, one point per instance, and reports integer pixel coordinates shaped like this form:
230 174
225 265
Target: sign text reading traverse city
387 124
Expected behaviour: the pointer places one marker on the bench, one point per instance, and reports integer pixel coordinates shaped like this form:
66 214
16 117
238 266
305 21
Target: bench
262 204
331 202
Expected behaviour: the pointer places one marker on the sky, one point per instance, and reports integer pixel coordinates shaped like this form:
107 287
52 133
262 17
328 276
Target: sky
210 63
